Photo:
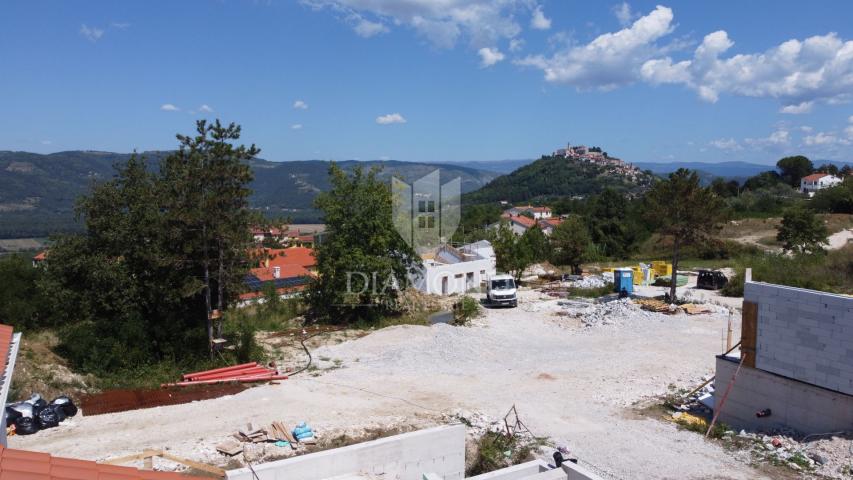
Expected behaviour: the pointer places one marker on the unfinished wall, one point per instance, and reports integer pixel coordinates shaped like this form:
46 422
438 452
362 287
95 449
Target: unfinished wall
804 407
439 450
804 334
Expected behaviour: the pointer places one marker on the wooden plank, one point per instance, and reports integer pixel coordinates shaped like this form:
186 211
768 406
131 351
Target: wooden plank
197 465
748 333
131 458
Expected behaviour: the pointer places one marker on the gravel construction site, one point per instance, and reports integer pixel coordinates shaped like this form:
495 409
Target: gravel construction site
578 374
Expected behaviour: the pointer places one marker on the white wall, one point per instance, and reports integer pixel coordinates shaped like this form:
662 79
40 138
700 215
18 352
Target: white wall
430 279
440 450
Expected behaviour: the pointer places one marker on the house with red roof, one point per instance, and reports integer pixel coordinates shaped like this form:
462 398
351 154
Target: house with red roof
818 181
289 269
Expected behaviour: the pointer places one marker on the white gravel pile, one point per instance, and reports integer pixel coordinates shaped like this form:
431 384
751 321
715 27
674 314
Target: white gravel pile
830 457
592 281
615 312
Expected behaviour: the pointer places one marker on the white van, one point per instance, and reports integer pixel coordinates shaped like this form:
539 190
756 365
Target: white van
501 290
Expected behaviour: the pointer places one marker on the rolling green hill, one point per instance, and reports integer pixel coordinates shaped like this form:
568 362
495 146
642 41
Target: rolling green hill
38 191
552 177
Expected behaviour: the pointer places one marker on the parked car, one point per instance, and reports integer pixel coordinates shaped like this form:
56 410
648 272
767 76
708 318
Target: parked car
501 290
711 280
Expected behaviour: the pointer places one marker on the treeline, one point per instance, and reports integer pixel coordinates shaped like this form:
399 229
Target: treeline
552 177
160 251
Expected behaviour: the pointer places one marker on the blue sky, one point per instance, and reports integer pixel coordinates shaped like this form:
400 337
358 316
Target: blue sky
433 80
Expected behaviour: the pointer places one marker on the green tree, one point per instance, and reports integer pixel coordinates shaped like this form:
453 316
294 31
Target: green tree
570 242
829 168
681 208
801 231
512 254
362 259
766 179
724 188
19 299
536 244
837 199
609 225
793 169
208 206
158 252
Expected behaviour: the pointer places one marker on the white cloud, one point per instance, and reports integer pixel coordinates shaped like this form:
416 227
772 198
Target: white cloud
168 107
612 59
46 142
365 28
729 144
539 21
205 108
623 13
390 118
804 107
516 44
120 25
296 126
779 138
489 56
825 139
806 129
441 22
300 105
797 73
92 34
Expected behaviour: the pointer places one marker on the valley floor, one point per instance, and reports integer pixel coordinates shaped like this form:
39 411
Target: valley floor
577 385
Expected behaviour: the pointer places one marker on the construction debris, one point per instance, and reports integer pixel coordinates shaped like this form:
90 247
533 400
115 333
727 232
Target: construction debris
658 306
244 373
275 432
694 309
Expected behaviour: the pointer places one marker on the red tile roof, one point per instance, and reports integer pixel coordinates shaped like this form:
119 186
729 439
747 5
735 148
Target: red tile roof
286 271
302 256
5 345
815 177
550 222
525 222
41 256
26 465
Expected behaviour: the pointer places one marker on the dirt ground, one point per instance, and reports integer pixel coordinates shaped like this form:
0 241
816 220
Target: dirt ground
576 385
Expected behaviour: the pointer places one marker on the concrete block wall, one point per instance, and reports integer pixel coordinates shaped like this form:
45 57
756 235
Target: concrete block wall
804 334
806 408
408 456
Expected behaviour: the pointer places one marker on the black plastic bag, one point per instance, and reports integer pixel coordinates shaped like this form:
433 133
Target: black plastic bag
47 417
26 426
60 413
67 406
12 414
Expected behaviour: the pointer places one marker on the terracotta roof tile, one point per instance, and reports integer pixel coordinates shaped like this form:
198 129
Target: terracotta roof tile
815 176
27 465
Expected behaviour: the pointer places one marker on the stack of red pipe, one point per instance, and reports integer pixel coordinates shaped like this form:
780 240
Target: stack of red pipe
245 373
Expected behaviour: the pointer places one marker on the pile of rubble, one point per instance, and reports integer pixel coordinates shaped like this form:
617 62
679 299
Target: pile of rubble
478 423
590 281
613 312
830 457
275 433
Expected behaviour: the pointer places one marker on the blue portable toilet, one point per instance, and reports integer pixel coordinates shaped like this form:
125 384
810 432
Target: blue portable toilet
623 279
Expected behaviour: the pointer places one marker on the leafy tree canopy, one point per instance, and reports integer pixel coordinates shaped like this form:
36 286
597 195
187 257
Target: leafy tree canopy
793 169
801 231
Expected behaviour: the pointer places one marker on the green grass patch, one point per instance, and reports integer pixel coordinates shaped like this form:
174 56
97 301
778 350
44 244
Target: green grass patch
590 292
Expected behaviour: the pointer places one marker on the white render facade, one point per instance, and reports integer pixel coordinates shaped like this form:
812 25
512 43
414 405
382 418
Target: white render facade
448 270
815 182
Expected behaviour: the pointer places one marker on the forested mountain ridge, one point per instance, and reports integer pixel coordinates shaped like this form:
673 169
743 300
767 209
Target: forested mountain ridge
39 190
556 176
